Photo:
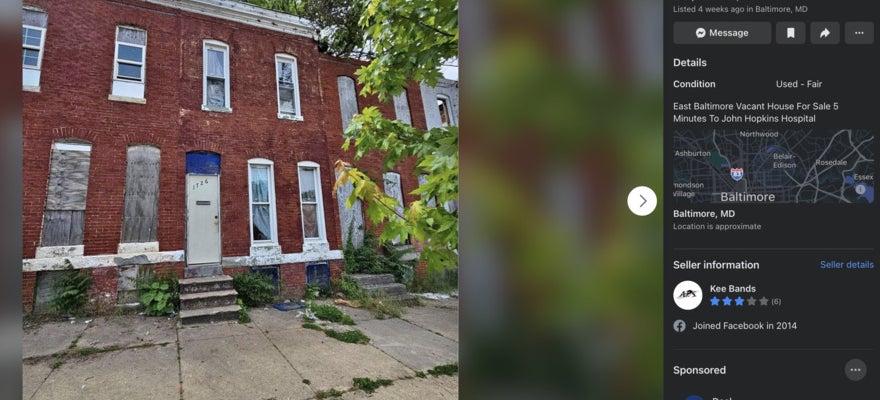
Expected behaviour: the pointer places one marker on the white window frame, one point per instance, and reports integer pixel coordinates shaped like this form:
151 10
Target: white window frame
127 89
273 220
223 47
319 200
40 49
297 114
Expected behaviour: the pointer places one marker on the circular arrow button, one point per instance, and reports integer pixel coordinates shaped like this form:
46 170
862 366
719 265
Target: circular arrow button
642 201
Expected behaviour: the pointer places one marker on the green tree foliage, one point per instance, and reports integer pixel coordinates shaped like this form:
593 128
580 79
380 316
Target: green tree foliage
411 39
337 22
408 41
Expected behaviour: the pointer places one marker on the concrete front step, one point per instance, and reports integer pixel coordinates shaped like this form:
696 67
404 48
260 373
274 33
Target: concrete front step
390 289
203 270
364 280
209 315
205 284
194 301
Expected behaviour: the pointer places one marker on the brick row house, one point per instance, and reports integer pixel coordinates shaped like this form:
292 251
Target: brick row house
196 137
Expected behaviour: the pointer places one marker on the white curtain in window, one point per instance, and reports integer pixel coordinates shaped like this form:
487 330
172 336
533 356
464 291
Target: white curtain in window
307 185
260 184
260 197
310 220
214 63
132 36
34 18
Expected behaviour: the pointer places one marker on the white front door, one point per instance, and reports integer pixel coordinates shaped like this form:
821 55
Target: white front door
202 219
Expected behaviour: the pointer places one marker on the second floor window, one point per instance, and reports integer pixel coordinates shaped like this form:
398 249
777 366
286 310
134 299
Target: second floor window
129 72
443 107
288 87
216 81
33 36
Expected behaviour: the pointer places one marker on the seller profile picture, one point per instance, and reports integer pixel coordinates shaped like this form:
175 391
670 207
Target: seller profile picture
687 295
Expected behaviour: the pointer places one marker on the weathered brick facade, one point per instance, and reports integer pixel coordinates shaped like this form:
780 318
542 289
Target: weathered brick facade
72 103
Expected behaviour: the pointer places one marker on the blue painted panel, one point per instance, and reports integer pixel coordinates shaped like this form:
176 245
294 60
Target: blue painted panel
318 274
202 162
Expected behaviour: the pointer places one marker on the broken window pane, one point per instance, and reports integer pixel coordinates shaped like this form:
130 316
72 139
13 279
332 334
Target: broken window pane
133 36
444 112
34 18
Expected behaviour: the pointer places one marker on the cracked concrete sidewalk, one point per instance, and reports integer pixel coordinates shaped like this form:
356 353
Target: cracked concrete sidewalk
273 357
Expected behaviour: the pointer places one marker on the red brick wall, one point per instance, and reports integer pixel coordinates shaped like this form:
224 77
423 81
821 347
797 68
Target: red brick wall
292 280
73 104
102 294
76 81
28 285
174 269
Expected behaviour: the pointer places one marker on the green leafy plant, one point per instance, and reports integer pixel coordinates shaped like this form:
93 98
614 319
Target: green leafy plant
243 315
354 336
254 288
330 313
328 394
70 291
363 258
392 262
309 325
368 385
315 291
367 259
446 369
349 288
158 294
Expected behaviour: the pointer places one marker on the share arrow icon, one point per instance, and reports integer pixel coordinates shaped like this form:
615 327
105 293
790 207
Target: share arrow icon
825 33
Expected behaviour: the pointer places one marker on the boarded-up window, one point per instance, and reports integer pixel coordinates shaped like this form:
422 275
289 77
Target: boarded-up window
347 100
66 194
141 194
351 220
401 108
423 180
393 190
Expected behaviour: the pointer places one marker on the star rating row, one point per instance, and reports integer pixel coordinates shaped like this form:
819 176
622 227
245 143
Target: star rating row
738 301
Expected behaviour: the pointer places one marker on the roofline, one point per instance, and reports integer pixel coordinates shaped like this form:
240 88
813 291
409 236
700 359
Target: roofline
244 13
